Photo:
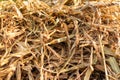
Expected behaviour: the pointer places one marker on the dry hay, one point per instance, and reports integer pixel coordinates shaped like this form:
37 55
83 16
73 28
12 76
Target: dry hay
59 40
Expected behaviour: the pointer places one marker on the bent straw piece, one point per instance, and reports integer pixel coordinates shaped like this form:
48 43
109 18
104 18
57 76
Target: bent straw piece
59 40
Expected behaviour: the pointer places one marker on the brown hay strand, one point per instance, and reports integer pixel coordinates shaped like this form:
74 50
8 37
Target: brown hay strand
62 39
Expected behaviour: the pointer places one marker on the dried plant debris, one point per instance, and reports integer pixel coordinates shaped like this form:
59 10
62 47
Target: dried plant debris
59 40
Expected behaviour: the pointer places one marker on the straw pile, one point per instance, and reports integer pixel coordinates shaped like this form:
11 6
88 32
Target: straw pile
59 40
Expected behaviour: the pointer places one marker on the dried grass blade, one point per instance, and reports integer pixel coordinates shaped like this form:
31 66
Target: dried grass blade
9 75
103 56
30 75
90 68
54 52
59 40
114 65
18 71
108 51
94 44
68 60
74 68
17 10
42 64
4 61
76 35
88 73
67 34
